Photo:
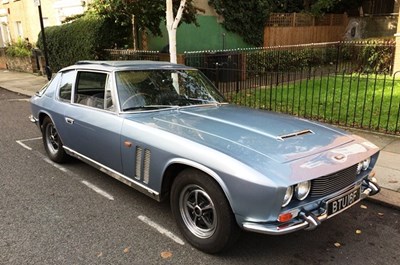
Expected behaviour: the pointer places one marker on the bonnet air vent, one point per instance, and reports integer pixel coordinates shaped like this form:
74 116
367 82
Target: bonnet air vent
294 134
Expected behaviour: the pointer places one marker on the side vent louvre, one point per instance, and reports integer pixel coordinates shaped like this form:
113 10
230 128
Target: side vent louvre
146 166
294 134
142 164
138 164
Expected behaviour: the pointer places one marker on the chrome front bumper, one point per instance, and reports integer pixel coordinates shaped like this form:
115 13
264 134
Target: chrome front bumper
308 220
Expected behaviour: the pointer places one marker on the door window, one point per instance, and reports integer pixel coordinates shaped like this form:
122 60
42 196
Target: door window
93 90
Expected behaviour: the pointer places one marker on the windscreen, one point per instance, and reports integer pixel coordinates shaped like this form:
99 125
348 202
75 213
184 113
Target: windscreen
152 89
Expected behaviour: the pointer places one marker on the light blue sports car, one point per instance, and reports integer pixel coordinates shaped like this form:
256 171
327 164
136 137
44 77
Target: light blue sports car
165 130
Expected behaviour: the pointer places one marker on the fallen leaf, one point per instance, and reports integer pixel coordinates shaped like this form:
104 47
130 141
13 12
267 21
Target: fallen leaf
363 206
338 245
381 214
126 250
358 231
166 254
100 254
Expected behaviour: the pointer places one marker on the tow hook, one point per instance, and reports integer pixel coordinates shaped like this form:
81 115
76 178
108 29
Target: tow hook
372 186
311 219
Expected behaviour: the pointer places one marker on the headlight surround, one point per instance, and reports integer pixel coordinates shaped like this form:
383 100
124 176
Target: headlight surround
366 163
359 167
288 196
302 190
363 165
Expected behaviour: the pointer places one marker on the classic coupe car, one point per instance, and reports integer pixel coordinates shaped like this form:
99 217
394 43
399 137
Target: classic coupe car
165 130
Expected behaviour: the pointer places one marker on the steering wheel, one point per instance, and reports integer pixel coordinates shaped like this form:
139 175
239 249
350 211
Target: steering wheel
137 100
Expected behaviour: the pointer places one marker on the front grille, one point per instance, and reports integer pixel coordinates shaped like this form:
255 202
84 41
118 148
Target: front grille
334 182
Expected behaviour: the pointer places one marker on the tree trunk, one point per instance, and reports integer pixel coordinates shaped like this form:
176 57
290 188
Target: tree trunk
172 25
134 33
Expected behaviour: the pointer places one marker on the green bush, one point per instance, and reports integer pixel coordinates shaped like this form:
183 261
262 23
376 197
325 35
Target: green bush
83 39
21 48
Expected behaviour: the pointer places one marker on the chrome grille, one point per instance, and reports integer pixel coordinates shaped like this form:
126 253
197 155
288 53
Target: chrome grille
332 183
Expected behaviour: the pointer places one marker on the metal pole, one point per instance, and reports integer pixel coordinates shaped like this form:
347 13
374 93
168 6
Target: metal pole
46 57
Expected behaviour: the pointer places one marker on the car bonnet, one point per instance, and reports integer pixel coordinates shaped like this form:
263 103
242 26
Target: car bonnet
243 132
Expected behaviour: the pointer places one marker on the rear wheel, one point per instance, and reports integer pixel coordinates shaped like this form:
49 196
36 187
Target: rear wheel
202 212
52 142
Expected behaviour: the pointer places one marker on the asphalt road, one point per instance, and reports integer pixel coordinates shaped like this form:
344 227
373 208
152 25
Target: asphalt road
74 214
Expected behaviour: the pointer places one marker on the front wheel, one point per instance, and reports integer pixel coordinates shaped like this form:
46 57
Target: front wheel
202 212
52 142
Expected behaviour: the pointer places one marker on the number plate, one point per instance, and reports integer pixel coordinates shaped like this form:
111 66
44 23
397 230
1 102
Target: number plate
343 202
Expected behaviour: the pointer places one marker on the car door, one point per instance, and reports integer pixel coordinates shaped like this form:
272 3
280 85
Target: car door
92 123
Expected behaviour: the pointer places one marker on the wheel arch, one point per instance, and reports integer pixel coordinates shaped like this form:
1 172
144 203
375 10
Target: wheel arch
176 166
42 116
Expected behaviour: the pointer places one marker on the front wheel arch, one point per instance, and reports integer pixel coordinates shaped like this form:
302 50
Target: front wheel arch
178 165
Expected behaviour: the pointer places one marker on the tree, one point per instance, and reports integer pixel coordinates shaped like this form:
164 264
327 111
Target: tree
247 18
315 7
145 15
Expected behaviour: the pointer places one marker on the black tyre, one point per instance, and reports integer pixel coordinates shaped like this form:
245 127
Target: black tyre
202 212
52 142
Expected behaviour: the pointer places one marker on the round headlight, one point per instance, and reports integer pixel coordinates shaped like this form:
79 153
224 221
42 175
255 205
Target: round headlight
365 163
359 167
288 196
302 190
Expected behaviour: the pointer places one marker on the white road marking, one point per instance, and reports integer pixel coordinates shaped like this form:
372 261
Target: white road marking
98 190
161 229
24 145
19 99
63 169
21 142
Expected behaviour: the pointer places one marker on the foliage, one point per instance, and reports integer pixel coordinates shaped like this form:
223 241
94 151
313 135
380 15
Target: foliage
376 58
21 48
264 61
148 14
247 18
82 39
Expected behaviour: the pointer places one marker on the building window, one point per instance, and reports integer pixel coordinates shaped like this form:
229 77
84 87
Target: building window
18 25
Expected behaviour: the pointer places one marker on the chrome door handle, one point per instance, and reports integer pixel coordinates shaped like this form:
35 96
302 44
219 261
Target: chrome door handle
69 120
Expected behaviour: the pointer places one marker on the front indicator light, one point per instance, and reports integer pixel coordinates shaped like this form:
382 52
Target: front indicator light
288 196
285 217
302 190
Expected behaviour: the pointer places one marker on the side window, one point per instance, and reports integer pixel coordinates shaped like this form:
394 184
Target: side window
92 90
67 79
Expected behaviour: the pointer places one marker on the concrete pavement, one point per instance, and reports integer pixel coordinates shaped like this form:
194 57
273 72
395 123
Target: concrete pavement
387 168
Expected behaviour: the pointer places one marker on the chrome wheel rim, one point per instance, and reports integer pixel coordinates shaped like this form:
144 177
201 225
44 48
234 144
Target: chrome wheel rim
198 211
52 139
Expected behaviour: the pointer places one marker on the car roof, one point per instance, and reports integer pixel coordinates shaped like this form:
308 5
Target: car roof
124 65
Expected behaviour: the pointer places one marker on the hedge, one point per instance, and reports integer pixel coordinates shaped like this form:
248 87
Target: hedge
83 39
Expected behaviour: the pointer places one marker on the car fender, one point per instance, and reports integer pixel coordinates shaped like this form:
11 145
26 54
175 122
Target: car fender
207 170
